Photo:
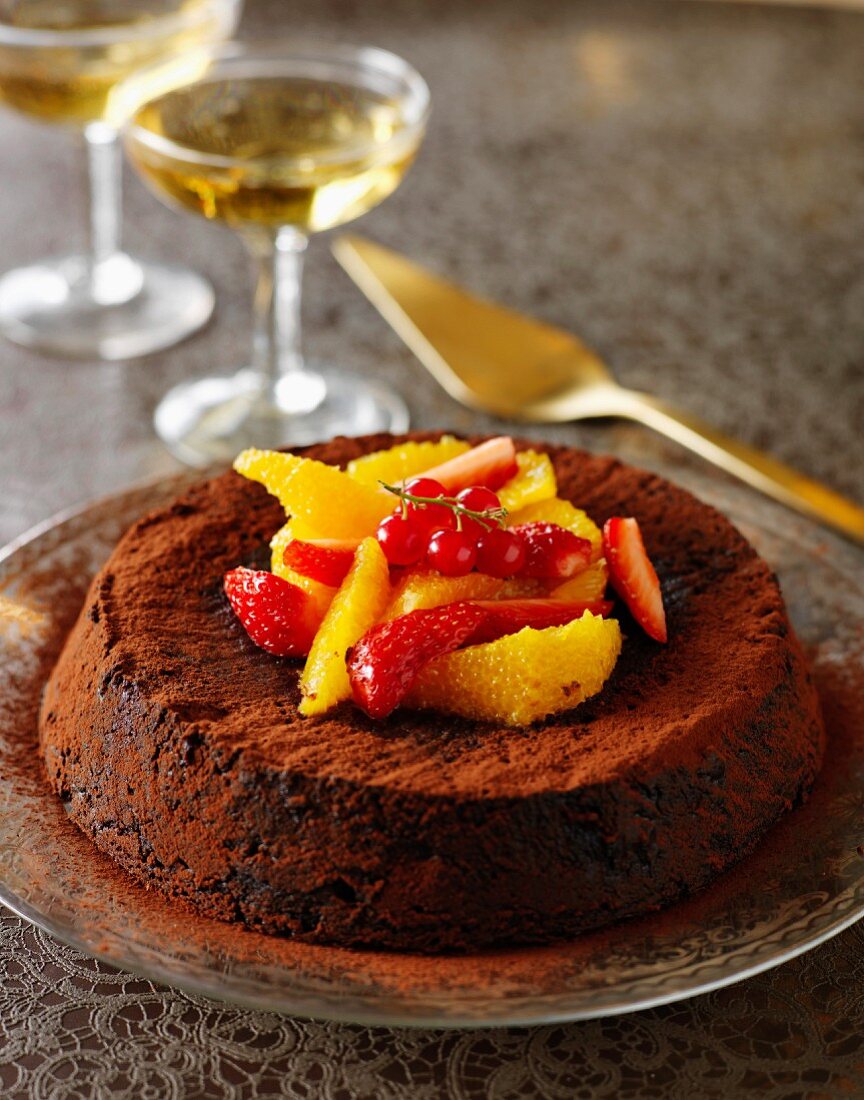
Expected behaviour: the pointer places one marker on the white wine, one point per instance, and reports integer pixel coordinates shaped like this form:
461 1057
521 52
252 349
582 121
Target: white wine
273 151
59 59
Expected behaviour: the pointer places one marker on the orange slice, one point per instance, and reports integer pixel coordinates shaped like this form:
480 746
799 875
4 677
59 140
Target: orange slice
325 502
534 481
358 604
523 677
589 585
404 460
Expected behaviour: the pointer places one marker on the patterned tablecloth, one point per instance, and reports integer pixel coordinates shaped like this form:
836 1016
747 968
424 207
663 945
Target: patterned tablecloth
684 184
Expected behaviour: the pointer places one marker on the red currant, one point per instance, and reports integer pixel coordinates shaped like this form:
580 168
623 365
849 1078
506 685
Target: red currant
429 517
478 499
451 552
425 487
500 553
432 517
401 538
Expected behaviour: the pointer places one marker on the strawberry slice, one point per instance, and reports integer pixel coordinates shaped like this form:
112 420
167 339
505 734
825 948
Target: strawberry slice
491 464
277 615
633 576
384 664
324 560
552 552
511 616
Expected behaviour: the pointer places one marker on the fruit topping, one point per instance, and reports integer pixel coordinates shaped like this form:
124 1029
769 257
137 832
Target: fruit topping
563 514
552 552
323 560
482 501
426 588
499 606
286 533
523 677
491 464
453 553
534 481
404 460
359 603
385 662
588 585
443 528
511 616
501 553
426 487
477 498
633 576
278 616
402 539
326 501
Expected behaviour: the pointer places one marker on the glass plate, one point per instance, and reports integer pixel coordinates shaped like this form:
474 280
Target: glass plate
804 884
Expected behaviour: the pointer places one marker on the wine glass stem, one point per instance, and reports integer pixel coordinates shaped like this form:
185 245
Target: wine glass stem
278 357
106 195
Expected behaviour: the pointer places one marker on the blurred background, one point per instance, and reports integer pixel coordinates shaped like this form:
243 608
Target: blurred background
678 182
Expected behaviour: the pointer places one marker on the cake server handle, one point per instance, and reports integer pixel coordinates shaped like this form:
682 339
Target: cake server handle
760 470
754 467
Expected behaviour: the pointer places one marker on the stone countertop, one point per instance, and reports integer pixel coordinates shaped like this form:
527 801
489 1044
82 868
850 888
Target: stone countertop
682 184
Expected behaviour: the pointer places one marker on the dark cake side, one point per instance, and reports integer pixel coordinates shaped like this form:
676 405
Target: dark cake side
177 747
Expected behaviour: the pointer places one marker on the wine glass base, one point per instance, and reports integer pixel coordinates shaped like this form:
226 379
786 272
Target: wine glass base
125 309
213 419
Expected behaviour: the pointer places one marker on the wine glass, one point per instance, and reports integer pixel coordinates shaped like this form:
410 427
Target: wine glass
59 60
278 141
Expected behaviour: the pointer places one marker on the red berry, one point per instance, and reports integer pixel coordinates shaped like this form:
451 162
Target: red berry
383 665
552 552
401 539
432 517
633 576
511 616
324 560
277 615
452 553
425 487
429 517
500 553
478 499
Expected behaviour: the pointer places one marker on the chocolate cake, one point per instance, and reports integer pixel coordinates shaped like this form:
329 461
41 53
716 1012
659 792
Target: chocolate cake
176 744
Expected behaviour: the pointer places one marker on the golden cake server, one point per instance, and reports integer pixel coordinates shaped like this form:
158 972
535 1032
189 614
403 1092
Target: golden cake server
504 363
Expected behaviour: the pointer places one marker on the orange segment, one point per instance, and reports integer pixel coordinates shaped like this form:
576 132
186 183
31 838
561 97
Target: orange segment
589 585
358 604
325 502
403 461
564 514
522 677
424 589
534 481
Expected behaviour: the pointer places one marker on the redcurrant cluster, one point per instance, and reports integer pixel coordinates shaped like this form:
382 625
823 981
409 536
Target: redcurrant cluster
452 534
